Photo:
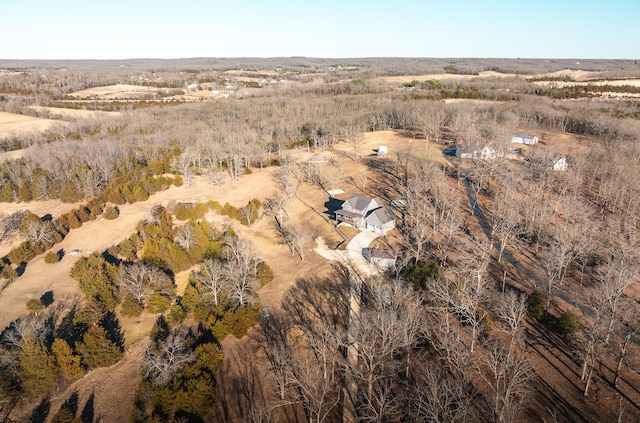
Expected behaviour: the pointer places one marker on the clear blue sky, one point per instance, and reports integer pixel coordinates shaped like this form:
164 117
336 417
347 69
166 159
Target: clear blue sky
121 29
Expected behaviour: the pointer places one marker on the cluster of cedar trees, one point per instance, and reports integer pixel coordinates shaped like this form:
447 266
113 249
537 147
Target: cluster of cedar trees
133 276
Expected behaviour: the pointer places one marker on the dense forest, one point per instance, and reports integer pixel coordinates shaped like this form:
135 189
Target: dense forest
514 295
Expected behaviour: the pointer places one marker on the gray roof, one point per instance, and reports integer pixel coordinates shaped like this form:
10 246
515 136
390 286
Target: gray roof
381 216
359 202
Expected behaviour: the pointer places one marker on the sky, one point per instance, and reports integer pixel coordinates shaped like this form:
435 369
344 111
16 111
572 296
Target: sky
125 29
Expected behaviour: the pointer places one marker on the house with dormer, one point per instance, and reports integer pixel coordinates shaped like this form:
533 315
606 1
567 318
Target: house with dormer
368 213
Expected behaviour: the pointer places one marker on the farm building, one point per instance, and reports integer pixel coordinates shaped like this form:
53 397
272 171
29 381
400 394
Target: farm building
524 139
487 152
380 258
560 164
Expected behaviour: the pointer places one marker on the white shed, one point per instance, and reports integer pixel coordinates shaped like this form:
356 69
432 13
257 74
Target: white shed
382 150
524 139
560 164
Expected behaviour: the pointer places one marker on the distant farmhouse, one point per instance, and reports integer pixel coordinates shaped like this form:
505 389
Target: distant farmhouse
524 139
469 151
368 213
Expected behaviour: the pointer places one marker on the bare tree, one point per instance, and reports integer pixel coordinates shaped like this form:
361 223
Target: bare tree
166 359
505 221
440 398
185 236
184 165
9 224
39 232
211 277
509 378
139 280
511 308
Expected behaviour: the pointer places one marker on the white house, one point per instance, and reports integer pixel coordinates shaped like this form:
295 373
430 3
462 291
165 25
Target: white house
524 139
368 213
380 221
487 152
382 150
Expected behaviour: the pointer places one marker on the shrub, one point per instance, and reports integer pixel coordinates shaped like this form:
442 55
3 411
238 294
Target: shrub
72 220
421 272
131 308
9 273
51 258
264 274
567 324
244 318
128 249
111 213
160 330
34 305
83 214
176 315
231 211
158 303
115 196
95 208
536 305
97 350
23 253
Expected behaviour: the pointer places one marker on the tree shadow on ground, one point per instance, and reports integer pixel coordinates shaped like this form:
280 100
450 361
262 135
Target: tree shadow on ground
71 403
111 325
41 412
47 298
88 411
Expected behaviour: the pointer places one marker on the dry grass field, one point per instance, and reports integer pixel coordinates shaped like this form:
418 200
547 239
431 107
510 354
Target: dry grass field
12 124
319 102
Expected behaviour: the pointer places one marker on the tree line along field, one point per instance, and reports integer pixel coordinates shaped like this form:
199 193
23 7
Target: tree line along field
514 295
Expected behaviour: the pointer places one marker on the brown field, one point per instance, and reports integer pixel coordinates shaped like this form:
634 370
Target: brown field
12 124
111 92
117 382
61 113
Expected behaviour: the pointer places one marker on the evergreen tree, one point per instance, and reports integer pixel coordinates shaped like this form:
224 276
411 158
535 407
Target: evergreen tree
38 366
97 350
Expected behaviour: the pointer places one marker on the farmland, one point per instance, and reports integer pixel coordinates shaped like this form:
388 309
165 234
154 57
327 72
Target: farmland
514 295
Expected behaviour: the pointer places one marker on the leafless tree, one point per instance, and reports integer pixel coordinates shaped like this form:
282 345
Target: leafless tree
509 378
629 327
39 232
606 302
511 309
184 165
185 236
440 398
278 207
139 280
18 330
165 359
505 221
211 277
216 178
249 212
9 224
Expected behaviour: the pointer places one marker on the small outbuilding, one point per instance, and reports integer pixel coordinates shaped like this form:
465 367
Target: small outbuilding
382 150
560 165
380 257
524 139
